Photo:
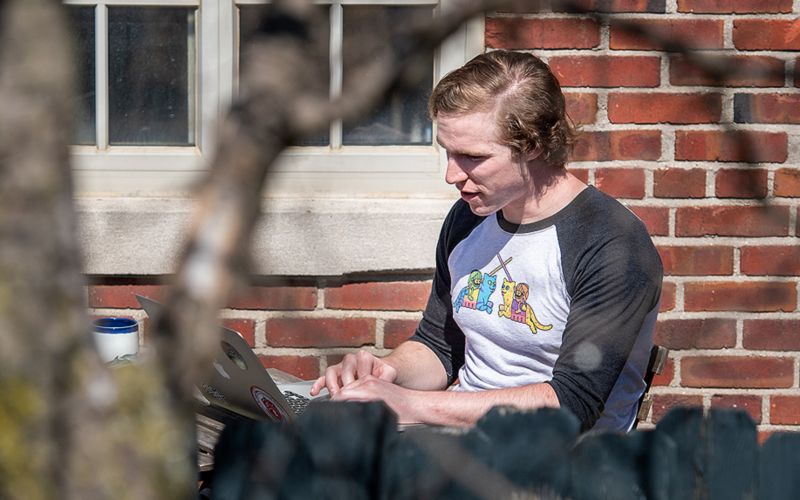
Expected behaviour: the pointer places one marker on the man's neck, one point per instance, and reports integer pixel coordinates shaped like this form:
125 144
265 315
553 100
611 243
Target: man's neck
550 194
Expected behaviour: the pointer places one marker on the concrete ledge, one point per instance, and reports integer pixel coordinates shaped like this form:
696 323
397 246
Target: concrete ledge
295 237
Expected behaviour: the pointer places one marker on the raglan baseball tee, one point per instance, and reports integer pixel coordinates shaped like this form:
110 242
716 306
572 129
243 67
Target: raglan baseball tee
570 300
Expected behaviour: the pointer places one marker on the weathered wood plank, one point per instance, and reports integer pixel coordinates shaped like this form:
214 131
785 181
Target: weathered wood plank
717 455
624 466
779 467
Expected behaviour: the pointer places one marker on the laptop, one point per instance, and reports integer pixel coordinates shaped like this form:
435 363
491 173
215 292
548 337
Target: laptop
240 386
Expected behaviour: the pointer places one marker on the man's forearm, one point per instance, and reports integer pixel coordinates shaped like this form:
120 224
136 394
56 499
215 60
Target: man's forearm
417 367
456 408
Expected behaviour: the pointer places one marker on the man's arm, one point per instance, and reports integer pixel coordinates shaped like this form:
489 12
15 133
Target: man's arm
417 367
411 365
451 408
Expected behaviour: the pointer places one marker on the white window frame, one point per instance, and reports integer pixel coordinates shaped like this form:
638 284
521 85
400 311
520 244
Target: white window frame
367 171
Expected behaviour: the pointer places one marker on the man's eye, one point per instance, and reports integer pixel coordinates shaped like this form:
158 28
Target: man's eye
475 158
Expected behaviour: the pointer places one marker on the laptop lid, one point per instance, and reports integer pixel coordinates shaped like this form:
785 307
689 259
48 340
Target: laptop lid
237 381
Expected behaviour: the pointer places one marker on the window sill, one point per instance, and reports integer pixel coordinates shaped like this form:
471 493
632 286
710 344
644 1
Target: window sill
296 236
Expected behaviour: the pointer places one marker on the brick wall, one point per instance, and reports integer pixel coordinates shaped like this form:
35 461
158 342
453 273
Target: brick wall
711 167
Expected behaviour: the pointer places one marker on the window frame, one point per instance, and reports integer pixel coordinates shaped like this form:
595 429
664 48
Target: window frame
365 171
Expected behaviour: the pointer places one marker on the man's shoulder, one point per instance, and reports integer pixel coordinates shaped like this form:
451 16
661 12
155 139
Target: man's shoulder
601 215
604 229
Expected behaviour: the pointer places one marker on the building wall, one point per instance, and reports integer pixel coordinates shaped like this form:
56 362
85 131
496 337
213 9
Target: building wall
710 166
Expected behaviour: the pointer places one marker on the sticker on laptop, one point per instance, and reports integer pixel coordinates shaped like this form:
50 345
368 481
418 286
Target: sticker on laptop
267 404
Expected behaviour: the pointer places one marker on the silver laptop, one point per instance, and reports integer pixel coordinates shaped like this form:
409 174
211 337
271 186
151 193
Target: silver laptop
240 386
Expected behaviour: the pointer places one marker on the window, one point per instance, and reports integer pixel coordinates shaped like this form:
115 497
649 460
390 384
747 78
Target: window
155 77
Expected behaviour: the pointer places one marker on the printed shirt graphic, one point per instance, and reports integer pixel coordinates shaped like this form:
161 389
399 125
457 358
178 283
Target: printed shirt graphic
570 301
513 327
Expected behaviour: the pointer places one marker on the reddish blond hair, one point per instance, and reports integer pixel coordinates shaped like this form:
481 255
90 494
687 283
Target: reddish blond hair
524 94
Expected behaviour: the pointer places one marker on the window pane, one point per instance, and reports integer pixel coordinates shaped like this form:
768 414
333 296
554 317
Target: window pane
151 68
402 119
83 31
251 15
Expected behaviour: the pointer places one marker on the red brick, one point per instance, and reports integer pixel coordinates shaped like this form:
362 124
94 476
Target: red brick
741 183
784 410
655 218
734 71
737 372
663 403
123 296
661 107
396 331
580 173
747 296
787 182
621 182
749 404
304 367
706 333
560 33
766 34
766 108
664 378
679 183
696 261
668 291
386 296
739 145
763 436
773 260
797 72
298 298
732 221
334 359
642 6
581 107
606 71
735 6
772 334
618 145
700 34
320 332
244 327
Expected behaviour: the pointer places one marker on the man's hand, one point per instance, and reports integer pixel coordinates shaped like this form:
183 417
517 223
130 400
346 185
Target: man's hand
404 402
354 367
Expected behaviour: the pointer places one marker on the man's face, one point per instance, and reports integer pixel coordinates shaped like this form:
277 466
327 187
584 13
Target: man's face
484 171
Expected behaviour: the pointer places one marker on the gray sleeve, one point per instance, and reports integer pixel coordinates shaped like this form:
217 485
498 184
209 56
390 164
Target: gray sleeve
613 276
437 329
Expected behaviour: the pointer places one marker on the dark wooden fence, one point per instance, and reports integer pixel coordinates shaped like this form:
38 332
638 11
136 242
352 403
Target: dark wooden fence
353 451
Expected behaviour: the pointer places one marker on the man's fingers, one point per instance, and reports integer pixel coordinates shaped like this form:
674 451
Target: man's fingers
348 369
332 379
317 386
386 372
364 363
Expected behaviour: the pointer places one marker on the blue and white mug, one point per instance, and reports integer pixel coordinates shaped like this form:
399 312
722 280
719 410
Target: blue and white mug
115 337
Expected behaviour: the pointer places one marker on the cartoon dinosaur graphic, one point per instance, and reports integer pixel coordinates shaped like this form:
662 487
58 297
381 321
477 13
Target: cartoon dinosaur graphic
468 296
504 309
522 312
516 308
488 287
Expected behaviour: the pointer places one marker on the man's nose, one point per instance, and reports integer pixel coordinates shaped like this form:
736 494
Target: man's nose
454 173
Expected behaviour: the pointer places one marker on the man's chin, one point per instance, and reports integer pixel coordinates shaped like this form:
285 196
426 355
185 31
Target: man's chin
481 210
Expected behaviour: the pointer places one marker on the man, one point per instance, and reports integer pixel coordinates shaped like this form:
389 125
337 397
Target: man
546 290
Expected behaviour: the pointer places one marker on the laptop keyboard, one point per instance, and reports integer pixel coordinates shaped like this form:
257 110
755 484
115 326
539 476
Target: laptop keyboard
297 402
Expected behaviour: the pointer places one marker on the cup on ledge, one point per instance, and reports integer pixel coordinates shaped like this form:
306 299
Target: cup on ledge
115 337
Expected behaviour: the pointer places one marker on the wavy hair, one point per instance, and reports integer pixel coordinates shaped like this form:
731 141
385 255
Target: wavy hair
525 96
